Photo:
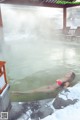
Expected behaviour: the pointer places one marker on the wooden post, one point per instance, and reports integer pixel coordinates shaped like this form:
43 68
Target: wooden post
0 19
64 19
1 31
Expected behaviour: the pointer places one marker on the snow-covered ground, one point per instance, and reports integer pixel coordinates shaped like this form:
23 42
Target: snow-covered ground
71 112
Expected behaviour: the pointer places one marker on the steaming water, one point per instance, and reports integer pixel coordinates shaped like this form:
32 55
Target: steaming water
39 61
34 56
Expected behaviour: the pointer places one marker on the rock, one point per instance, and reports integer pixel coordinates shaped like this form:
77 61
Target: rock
42 113
35 110
45 111
16 111
61 103
34 116
34 105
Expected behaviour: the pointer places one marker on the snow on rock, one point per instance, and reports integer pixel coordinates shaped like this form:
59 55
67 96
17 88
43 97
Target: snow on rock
67 97
72 111
71 93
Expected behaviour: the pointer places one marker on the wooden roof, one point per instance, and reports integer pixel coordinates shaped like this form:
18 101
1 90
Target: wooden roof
44 3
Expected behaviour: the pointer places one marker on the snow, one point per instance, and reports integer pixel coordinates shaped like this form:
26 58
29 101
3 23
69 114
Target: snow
73 93
71 112
2 82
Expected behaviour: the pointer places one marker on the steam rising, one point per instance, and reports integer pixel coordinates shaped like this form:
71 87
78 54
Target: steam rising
27 33
30 37
29 21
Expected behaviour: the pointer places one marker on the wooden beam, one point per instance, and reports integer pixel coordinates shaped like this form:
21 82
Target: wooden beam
33 3
71 5
38 3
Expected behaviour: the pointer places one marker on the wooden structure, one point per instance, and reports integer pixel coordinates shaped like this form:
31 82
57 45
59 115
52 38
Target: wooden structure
1 32
3 81
5 103
44 3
